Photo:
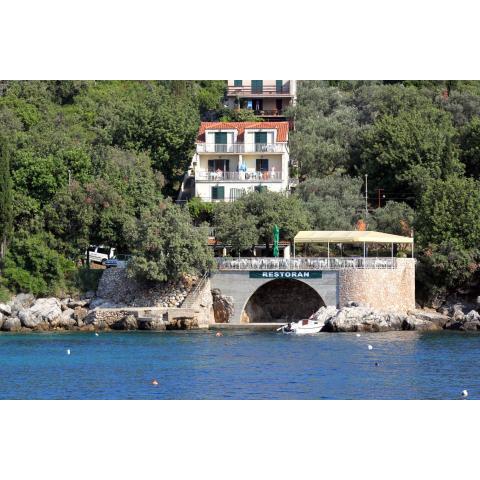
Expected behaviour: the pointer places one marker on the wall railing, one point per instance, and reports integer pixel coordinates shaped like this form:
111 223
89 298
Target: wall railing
241 147
306 263
248 176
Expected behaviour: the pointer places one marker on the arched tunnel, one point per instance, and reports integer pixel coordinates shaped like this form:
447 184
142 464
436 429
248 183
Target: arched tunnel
281 300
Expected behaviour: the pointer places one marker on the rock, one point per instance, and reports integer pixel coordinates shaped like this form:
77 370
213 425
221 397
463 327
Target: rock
412 322
469 322
2 319
89 294
223 306
77 303
66 319
11 324
362 319
126 323
5 309
29 320
182 323
151 323
47 308
102 303
79 313
437 318
22 300
324 314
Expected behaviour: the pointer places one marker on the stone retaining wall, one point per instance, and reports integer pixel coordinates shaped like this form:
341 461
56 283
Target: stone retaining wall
380 289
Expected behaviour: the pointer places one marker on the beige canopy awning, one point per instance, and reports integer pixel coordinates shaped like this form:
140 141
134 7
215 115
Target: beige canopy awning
312 236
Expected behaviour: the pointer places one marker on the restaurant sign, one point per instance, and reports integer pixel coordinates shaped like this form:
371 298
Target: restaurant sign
285 274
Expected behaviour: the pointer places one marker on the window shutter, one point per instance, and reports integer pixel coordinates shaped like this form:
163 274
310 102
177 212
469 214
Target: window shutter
237 83
279 84
257 86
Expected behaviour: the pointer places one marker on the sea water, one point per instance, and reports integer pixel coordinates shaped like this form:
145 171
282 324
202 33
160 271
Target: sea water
239 365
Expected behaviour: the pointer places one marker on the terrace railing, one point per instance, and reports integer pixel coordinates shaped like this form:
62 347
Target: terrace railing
265 90
306 263
249 176
239 147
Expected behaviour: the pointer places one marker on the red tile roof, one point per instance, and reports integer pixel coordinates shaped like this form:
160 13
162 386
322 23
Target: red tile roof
281 127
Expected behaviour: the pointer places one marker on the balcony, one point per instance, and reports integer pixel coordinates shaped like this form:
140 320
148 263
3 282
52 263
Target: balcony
241 147
265 91
248 176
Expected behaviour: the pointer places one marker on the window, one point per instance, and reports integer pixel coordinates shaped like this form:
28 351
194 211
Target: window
257 86
279 86
260 141
220 141
262 165
218 193
236 193
215 165
237 83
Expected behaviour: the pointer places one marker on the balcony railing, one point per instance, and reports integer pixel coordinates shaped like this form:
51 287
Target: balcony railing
249 176
266 90
241 147
306 263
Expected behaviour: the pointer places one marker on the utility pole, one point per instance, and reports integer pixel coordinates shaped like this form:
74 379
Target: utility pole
380 196
366 196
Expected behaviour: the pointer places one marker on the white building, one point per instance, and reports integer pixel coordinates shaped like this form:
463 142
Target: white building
233 158
266 98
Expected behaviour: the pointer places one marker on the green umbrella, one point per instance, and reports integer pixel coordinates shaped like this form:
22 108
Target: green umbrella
276 238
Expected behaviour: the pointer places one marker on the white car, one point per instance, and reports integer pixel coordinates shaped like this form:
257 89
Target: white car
99 253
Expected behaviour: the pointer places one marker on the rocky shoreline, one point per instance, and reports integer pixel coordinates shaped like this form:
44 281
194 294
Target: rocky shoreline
25 313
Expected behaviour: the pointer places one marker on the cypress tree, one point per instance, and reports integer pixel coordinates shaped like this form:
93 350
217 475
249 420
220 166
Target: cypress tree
6 213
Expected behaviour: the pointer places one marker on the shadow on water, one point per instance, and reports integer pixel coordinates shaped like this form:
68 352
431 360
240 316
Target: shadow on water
240 365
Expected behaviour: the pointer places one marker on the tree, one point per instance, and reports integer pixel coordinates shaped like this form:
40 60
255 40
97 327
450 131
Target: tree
326 129
264 210
168 245
448 211
395 217
470 147
6 211
335 202
401 152
235 226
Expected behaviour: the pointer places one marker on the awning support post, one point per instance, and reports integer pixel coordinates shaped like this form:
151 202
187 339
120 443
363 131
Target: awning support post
364 254
328 254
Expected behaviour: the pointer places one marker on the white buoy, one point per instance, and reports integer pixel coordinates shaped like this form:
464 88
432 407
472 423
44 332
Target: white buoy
68 351
465 393
96 334
370 347
358 335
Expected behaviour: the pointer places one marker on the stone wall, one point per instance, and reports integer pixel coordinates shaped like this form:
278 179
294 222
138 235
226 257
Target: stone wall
380 289
119 290
203 304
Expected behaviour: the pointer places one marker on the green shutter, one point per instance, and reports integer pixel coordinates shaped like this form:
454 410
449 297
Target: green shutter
218 193
237 83
257 86
279 84
261 137
221 138
261 188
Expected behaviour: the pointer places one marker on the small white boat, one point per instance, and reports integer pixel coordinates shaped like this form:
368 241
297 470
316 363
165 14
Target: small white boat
302 327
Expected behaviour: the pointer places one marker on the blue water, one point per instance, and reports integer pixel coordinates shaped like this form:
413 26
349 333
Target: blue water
239 365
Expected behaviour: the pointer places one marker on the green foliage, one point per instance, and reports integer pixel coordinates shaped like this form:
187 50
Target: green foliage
86 279
168 245
239 115
6 210
327 127
448 212
235 226
396 218
200 211
334 202
401 152
32 265
470 147
5 295
262 210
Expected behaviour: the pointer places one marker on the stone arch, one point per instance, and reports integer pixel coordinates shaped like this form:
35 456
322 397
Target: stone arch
281 300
